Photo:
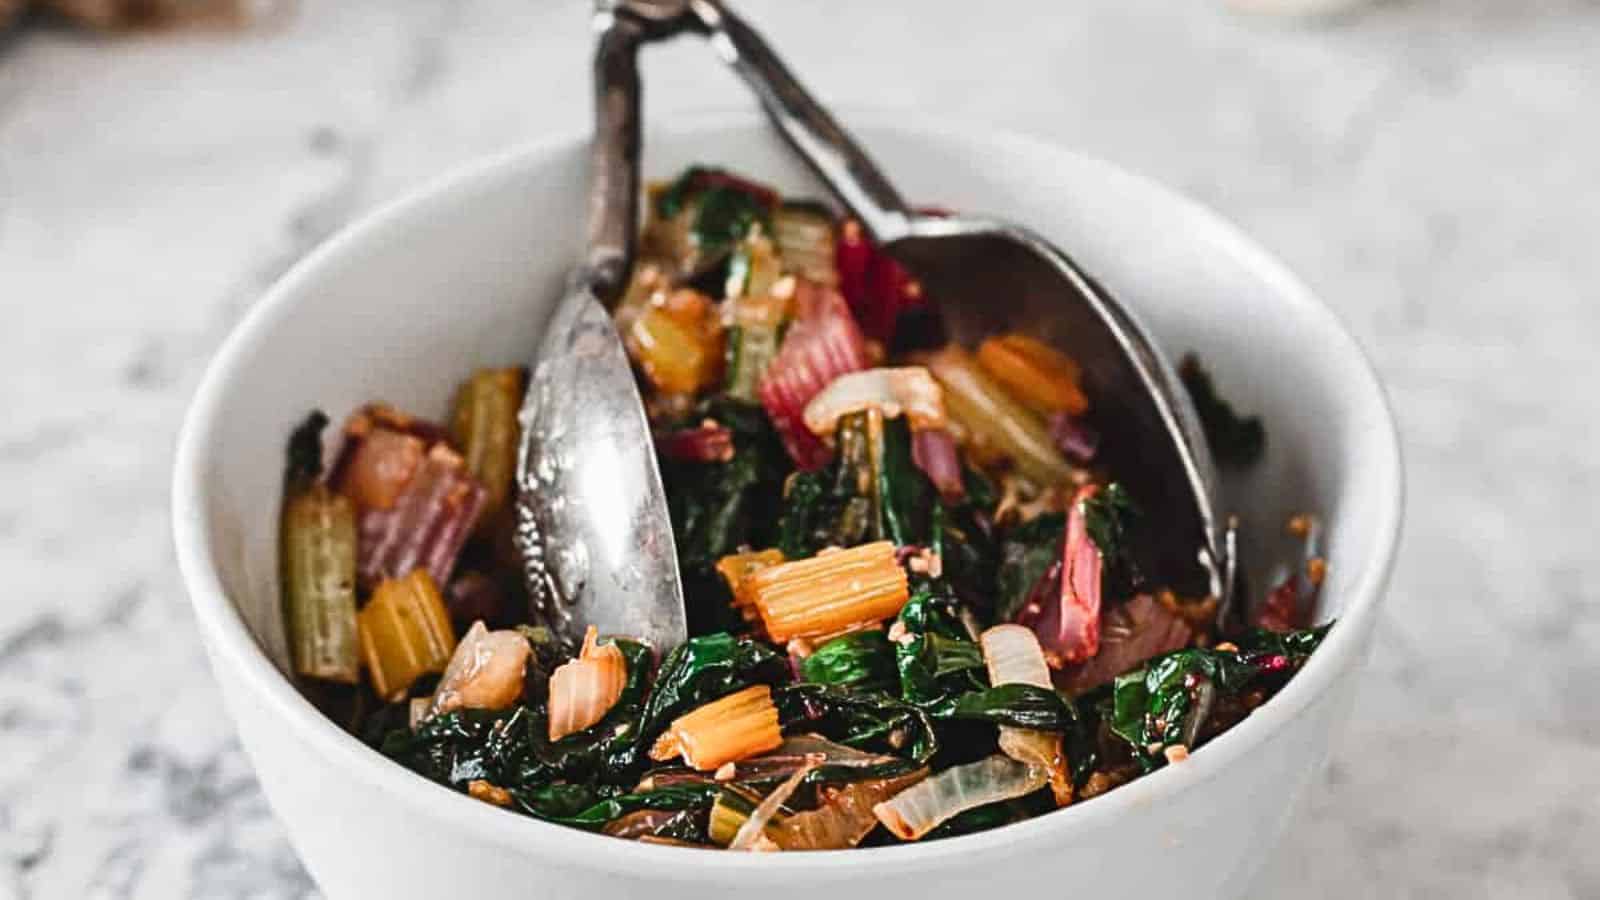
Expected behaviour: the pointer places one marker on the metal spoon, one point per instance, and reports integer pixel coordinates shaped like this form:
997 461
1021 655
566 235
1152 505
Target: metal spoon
987 277
592 519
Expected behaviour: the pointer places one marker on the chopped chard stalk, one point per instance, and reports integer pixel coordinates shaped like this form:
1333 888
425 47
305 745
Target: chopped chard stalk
1076 440
484 425
804 233
318 565
427 525
405 633
934 451
822 343
705 443
1039 376
1068 624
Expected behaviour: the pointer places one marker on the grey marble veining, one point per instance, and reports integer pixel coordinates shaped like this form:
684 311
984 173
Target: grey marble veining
1430 167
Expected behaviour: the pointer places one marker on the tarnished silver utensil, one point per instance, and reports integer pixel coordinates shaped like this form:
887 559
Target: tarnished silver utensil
988 276
592 519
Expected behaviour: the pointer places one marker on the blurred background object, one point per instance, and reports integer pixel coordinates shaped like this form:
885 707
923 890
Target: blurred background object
148 14
1297 8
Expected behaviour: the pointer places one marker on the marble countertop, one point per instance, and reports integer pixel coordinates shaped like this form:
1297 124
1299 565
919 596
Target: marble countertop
1429 166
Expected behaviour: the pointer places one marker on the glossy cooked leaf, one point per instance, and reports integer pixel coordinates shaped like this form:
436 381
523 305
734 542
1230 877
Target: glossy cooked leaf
1020 706
935 670
677 797
717 507
872 490
1027 552
510 748
863 660
1165 701
703 669
1110 516
867 720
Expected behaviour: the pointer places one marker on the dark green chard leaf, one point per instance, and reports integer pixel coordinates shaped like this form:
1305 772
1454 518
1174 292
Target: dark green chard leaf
933 608
1295 645
871 491
703 669
561 801
864 660
1235 440
461 746
935 670
1019 705
1027 551
510 748
725 216
805 498
867 720
1166 701
724 206
1111 518
938 661
906 496
837 505
675 797
718 507
962 535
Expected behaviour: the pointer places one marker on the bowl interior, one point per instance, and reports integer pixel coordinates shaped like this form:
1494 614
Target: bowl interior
462 275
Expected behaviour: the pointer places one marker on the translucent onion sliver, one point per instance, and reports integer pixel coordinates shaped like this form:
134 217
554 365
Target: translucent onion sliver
922 807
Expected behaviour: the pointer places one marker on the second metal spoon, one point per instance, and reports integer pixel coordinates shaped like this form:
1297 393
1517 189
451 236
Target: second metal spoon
987 277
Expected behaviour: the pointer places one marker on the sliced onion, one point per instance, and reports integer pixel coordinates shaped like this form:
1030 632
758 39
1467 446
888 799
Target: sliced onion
583 690
1013 656
844 819
486 671
934 452
755 827
920 808
908 391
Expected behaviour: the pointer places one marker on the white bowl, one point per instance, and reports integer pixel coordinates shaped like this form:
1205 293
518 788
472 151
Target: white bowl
462 274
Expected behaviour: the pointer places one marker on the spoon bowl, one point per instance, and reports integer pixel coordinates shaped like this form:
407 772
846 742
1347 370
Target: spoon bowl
986 277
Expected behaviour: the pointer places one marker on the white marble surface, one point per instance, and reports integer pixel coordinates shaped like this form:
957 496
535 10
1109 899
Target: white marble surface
1431 167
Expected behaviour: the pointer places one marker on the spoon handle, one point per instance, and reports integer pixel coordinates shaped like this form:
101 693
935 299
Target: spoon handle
841 162
614 156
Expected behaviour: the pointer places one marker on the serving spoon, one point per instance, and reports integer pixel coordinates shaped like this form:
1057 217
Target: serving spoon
593 522
987 276
592 519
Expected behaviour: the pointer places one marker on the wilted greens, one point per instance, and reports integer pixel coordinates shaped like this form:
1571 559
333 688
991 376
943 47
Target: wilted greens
906 568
